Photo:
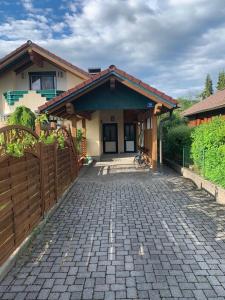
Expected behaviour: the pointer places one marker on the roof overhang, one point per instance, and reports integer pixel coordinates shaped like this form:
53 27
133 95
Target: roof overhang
30 53
213 109
85 87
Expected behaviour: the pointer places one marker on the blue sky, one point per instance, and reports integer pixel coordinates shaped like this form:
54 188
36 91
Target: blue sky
171 44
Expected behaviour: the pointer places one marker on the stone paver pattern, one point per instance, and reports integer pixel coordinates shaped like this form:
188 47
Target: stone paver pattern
126 233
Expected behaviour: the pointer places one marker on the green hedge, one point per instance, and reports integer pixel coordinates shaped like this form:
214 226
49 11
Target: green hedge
175 140
208 150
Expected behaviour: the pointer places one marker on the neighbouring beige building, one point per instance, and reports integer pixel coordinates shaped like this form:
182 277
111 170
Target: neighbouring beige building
31 75
111 107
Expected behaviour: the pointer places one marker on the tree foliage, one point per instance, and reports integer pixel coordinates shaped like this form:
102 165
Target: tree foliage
22 116
221 81
184 104
208 90
177 138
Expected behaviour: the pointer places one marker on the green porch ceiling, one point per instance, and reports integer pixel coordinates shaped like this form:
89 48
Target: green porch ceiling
102 98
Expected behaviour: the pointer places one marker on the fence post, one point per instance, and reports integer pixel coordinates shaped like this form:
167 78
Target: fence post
71 163
183 156
38 128
42 179
203 157
56 171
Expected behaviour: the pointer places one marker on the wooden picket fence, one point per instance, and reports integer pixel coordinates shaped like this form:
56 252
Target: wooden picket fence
30 185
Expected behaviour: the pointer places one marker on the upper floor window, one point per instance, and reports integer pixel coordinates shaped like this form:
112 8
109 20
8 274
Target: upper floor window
42 80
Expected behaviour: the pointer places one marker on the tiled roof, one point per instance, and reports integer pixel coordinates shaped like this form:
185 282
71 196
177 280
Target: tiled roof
30 44
111 69
213 102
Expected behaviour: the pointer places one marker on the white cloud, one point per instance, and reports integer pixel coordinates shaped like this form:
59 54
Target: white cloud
172 44
24 30
58 27
28 5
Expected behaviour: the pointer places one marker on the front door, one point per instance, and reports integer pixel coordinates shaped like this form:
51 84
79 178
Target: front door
110 138
129 137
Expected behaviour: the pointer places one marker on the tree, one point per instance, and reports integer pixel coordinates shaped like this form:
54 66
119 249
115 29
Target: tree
208 90
185 104
22 116
221 81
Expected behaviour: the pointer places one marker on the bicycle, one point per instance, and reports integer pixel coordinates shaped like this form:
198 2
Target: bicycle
139 158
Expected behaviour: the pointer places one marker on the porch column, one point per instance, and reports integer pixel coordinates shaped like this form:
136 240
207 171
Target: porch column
154 142
144 133
74 126
84 140
74 136
84 127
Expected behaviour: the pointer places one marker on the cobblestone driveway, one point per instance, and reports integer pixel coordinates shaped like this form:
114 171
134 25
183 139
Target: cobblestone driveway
124 233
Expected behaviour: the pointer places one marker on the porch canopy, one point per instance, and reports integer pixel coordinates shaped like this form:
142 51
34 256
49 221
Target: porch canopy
114 89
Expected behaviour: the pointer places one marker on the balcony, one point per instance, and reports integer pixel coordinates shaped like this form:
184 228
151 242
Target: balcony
12 97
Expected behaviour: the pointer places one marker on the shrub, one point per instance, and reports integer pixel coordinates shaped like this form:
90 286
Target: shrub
176 139
22 116
208 150
79 140
52 137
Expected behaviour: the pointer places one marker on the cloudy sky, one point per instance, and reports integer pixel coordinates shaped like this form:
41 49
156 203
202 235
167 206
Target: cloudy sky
171 44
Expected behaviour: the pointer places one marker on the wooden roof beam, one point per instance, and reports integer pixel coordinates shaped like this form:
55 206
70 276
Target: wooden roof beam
23 67
70 109
36 58
86 115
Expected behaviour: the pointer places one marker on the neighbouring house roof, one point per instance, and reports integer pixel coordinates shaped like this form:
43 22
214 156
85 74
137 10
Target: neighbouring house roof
126 79
213 102
22 56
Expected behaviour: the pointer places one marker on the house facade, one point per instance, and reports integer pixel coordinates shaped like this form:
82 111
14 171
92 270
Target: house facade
31 75
115 111
205 110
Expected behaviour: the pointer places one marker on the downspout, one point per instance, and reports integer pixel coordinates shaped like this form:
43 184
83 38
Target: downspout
161 136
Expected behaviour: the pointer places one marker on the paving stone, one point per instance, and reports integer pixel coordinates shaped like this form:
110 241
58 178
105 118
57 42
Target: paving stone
130 234
31 296
110 279
8 296
110 295
118 287
176 292
111 270
20 296
59 288
65 296
87 293
131 293
76 295
44 293
121 294
98 295
54 296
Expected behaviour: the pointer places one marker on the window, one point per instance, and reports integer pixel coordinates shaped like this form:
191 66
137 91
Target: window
42 81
